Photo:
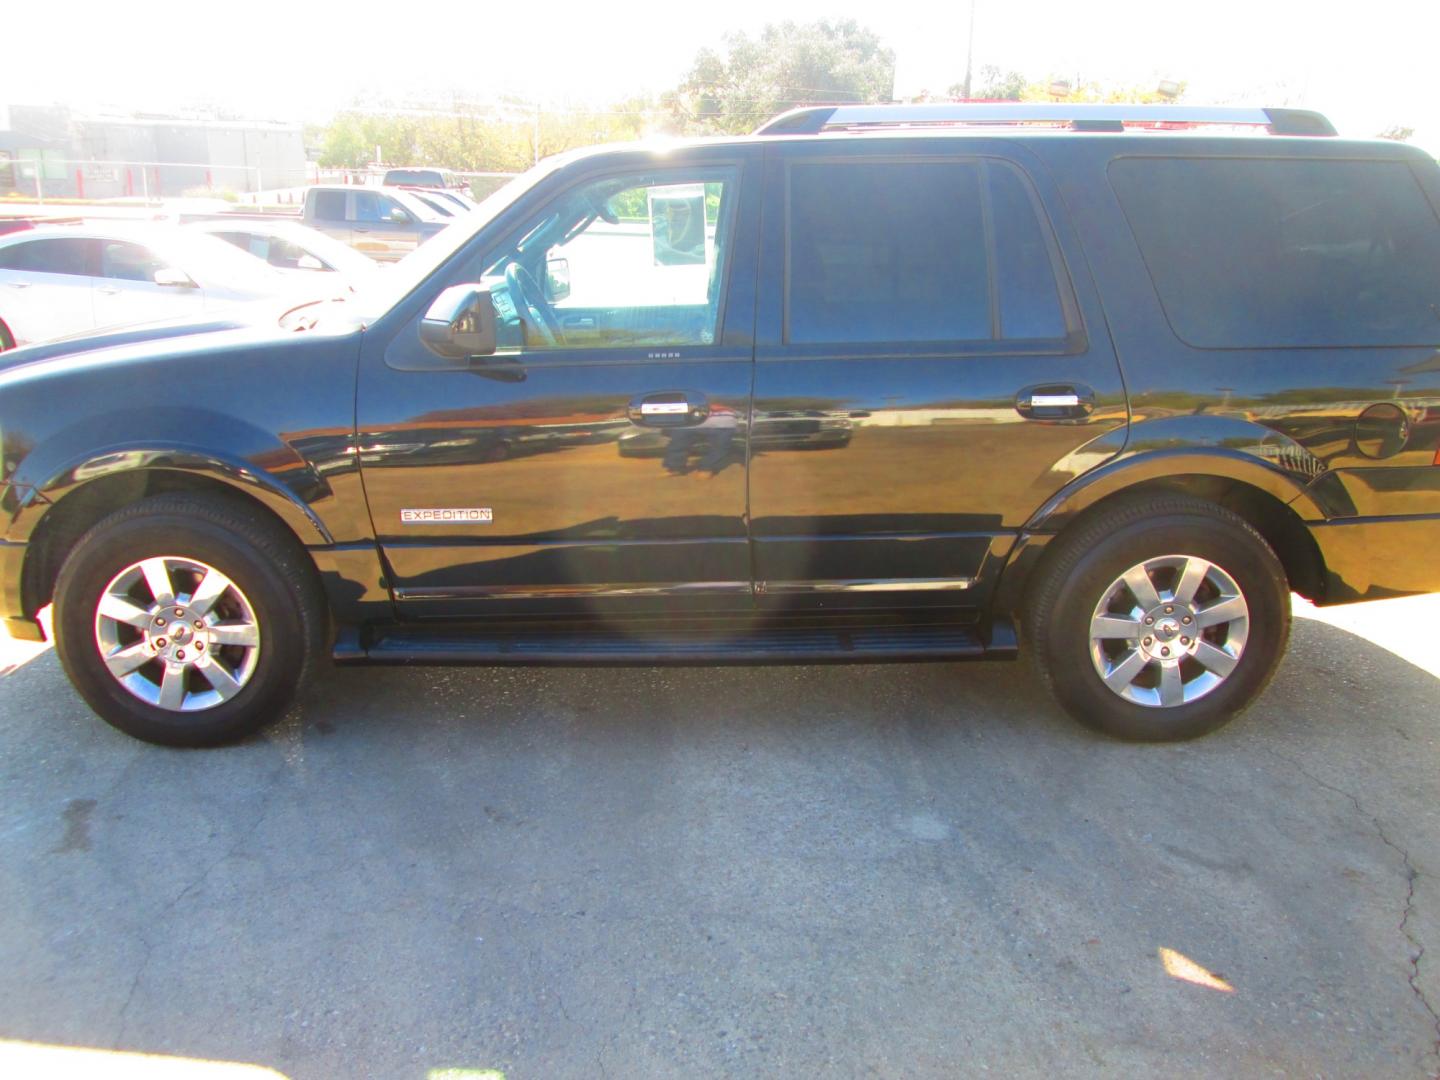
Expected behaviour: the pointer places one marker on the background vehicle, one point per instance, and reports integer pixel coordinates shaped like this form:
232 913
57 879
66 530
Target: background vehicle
1119 393
61 280
385 225
290 248
451 202
423 177
434 200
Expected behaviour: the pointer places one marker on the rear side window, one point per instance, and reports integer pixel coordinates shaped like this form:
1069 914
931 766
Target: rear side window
70 255
1256 253
915 251
887 252
1025 275
330 205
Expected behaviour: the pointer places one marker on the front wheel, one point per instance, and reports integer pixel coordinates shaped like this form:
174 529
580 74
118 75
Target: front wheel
1159 619
185 621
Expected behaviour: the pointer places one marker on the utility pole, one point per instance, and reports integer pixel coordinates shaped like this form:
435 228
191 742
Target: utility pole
970 51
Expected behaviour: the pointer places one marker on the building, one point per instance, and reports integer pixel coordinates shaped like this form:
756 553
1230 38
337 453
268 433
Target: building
60 152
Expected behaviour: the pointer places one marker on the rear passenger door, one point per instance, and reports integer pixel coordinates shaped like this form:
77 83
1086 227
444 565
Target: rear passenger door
928 370
327 212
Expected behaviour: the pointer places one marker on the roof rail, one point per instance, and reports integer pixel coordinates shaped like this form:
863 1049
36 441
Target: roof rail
1080 117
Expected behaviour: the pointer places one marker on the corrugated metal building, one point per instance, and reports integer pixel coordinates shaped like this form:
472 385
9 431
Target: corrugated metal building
108 156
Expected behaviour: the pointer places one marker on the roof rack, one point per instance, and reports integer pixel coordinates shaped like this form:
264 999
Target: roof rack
812 121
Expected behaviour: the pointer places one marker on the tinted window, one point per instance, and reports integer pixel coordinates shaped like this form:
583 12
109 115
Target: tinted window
1024 273
66 256
1257 253
886 252
330 205
422 177
128 262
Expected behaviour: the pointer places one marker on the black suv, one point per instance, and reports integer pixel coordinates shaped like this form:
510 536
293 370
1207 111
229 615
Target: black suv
875 384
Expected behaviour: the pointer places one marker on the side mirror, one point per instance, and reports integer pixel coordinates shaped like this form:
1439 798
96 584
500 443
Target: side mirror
557 279
309 262
178 279
399 216
460 323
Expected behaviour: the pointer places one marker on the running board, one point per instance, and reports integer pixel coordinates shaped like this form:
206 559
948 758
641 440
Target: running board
904 644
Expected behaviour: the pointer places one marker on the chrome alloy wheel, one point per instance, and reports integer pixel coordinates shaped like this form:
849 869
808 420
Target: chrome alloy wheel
177 634
1169 630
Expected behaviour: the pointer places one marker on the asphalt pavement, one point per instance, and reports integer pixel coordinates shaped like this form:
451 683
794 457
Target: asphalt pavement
908 871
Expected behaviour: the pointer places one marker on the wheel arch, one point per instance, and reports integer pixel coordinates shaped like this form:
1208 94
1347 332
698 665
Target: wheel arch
52 523
1274 503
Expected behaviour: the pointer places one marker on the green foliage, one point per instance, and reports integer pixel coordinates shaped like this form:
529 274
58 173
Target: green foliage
489 140
993 85
996 85
788 65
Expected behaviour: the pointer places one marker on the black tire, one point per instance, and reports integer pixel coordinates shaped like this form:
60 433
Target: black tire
1090 557
267 565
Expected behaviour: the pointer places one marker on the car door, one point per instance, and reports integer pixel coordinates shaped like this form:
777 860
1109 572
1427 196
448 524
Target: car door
931 366
46 287
381 227
135 285
329 212
597 461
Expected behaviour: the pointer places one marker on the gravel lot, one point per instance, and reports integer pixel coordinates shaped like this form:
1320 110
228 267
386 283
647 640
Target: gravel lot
876 871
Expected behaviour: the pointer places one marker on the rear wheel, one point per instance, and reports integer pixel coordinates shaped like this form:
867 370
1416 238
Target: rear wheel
184 620
1159 619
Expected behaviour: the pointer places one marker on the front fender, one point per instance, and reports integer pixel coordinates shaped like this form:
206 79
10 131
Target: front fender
252 462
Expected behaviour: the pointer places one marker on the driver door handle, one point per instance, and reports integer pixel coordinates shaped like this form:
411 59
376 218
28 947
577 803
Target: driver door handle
1055 401
669 408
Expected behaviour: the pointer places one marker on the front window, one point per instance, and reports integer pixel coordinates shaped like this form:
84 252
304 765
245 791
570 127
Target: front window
124 261
621 262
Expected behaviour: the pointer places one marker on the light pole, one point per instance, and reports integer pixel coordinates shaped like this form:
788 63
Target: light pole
970 51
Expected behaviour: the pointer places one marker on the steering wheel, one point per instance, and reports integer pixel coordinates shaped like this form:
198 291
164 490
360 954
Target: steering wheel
530 300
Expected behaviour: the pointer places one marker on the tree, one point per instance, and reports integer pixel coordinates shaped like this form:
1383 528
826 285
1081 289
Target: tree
788 65
995 85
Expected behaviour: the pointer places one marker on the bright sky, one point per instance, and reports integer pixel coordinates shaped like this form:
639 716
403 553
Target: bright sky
1367 63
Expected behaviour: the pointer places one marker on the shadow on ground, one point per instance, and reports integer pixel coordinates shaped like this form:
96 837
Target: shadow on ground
887 871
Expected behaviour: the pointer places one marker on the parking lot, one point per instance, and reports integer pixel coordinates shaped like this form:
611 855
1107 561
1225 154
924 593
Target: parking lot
881 871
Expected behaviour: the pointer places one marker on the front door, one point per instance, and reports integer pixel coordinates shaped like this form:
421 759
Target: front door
126 290
598 459
381 227
927 374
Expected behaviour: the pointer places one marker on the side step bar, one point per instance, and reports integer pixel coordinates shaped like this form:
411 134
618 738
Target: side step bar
906 644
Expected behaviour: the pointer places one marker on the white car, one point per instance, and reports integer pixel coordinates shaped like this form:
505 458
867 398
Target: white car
291 248
61 280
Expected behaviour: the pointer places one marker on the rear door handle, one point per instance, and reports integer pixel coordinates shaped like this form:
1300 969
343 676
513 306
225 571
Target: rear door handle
107 290
1055 401
669 408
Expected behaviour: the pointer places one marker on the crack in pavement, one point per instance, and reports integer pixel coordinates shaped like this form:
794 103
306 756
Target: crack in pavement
1412 875
123 1017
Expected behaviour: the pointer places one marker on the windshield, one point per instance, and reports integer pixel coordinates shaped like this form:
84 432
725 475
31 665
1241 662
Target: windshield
377 297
